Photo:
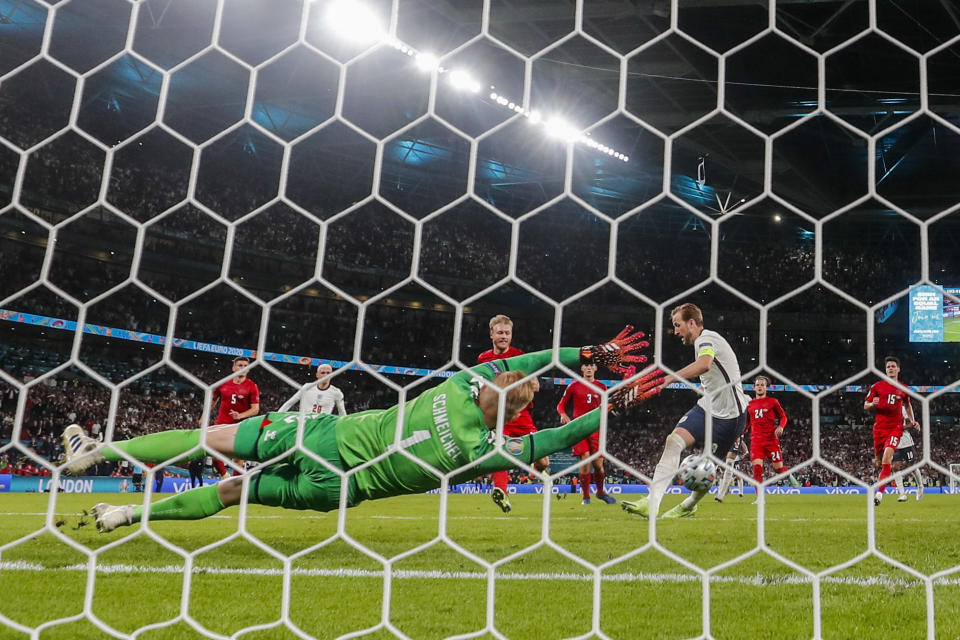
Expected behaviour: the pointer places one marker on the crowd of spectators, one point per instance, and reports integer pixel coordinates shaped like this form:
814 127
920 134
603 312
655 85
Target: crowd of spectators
159 402
815 338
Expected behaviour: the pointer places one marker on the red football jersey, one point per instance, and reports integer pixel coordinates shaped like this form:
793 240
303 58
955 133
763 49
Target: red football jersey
236 397
764 415
489 355
586 397
524 421
889 412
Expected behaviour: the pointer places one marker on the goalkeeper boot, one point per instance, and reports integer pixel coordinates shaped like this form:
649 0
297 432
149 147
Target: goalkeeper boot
606 497
639 507
680 511
500 499
109 517
80 450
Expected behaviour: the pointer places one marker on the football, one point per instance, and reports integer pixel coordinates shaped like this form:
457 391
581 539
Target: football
697 472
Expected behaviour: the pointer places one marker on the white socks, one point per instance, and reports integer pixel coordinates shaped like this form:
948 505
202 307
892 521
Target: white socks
665 471
725 482
691 500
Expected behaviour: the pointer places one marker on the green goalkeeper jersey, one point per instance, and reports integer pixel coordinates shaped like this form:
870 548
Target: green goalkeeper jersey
444 428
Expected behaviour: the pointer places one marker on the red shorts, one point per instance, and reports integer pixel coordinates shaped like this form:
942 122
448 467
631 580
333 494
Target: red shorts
762 450
886 438
590 445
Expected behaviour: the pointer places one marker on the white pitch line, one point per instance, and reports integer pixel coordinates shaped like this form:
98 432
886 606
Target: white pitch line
355 517
757 580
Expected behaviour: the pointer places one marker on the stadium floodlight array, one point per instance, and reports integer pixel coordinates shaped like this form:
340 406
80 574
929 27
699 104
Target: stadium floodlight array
356 22
353 20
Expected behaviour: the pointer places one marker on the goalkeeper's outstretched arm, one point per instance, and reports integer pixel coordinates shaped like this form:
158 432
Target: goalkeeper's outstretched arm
532 447
619 355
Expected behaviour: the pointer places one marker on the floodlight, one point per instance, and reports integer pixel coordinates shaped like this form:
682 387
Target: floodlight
353 21
561 129
427 61
460 79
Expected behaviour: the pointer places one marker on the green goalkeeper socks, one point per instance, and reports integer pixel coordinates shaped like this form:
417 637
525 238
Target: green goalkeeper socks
156 447
189 505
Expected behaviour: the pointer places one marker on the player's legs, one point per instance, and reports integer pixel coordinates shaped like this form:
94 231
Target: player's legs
500 479
82 452
599 473
584 477
776 459
885 446
582 451
189 505
725 433
886 465
727 478
896 466
296 483
666 469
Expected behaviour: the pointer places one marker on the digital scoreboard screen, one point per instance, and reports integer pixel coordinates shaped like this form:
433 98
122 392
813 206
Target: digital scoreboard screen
934 317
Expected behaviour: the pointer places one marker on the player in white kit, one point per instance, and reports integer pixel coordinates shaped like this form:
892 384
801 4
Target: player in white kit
716 365
904 456
323 397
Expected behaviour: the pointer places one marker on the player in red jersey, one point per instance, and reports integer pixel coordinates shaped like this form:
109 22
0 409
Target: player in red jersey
586 396
889 403
239 398
501 336
765 422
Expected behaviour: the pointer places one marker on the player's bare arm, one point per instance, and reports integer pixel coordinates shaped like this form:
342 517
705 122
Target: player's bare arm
249 413
910 415
695 369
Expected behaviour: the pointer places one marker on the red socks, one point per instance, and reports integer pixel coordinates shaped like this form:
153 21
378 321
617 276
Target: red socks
758 473
599 478
884 472
500 479
585 484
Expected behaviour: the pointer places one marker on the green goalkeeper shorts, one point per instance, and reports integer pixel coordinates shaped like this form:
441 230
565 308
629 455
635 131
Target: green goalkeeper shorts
297 480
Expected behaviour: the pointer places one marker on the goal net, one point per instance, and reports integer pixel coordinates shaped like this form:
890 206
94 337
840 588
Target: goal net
195 193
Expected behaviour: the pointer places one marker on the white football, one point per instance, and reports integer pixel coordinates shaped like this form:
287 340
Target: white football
697 472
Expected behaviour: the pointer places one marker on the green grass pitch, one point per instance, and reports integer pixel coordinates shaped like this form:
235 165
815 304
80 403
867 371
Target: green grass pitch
439 592
951 330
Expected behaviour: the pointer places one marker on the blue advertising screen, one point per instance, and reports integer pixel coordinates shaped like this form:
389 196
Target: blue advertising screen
934 317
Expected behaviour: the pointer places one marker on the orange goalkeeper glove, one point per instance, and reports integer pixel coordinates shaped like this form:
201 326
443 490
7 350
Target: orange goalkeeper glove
620 350
636 392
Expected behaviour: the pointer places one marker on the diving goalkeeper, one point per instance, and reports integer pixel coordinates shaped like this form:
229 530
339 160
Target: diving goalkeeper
446 427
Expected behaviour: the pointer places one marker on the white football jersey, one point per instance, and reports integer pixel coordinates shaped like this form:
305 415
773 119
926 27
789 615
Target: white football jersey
316 400
724 401
906 440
